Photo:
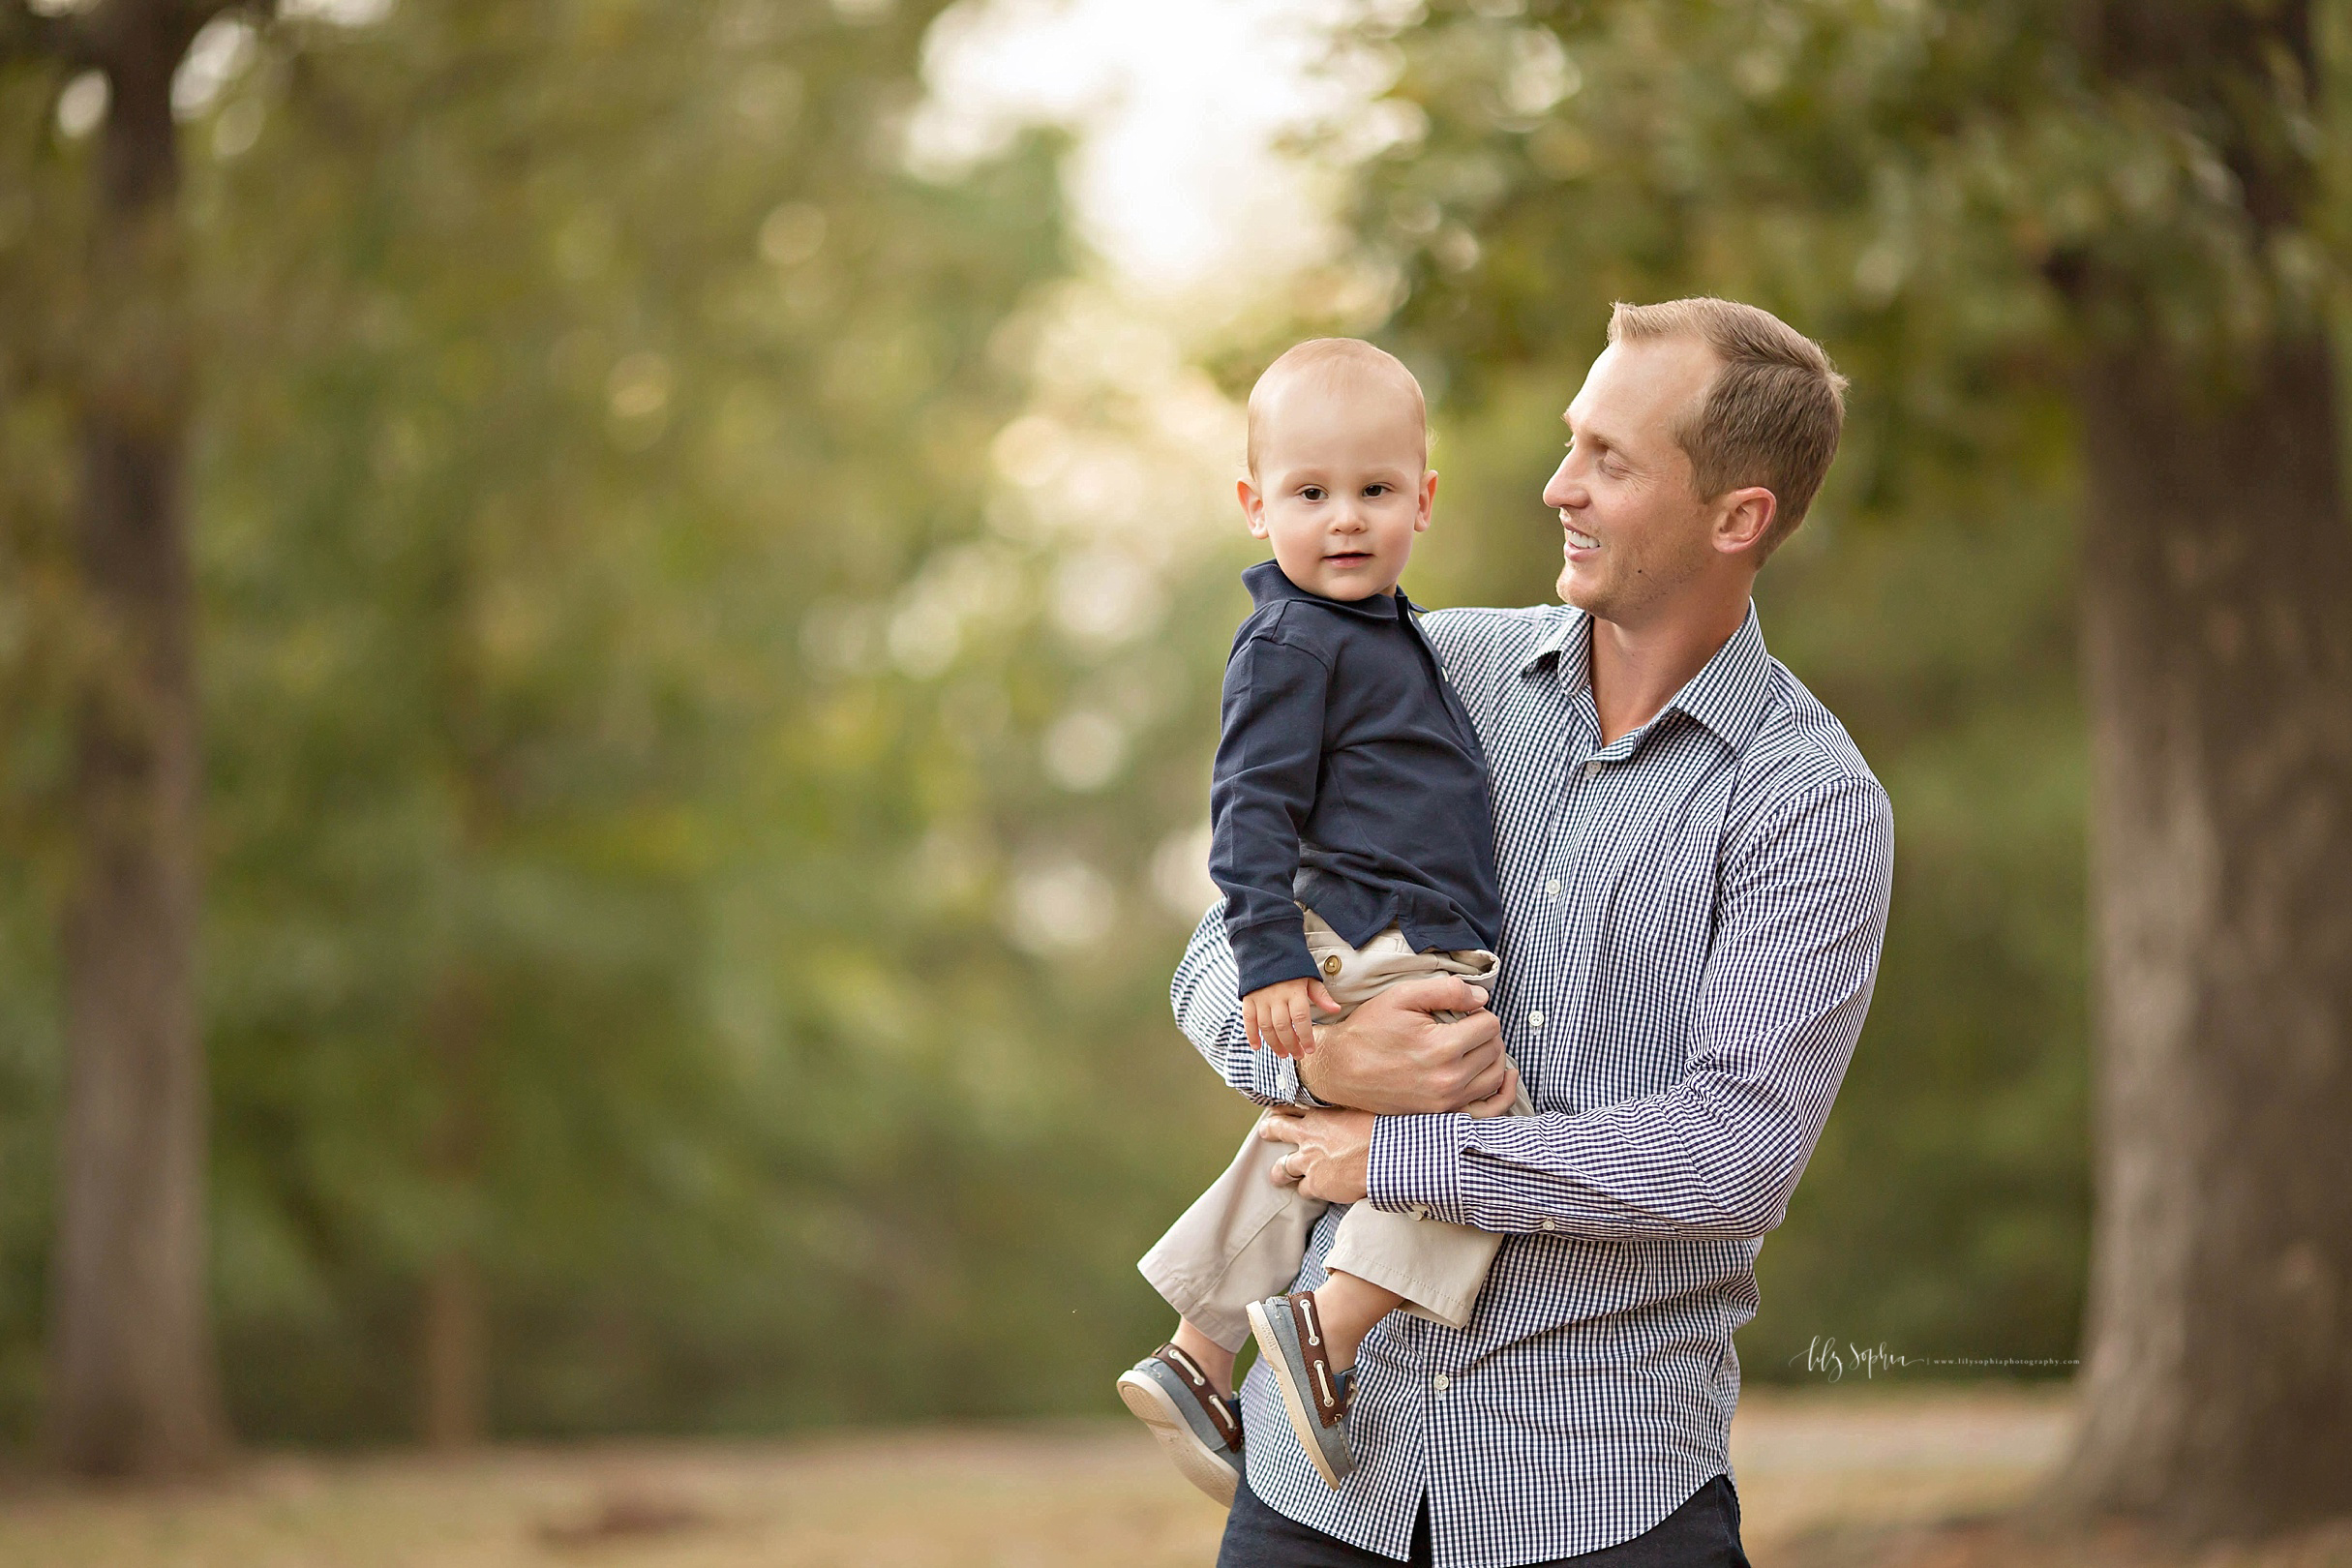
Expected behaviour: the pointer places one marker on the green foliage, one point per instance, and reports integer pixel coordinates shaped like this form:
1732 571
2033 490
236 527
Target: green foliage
621 731
635 655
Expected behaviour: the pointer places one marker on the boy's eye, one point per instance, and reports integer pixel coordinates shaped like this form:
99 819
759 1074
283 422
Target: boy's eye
1376 490
1312 493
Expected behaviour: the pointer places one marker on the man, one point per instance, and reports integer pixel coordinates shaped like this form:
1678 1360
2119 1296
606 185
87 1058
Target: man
1695 866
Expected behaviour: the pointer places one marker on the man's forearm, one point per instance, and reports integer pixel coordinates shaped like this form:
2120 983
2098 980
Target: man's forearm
1778 1011
1624 1173
1717 1154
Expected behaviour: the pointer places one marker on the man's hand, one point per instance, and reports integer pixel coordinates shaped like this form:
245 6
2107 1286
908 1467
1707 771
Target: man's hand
1331 1152
1393 1058
1280 1017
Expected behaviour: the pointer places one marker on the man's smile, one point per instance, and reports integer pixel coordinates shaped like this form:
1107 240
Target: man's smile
1578 540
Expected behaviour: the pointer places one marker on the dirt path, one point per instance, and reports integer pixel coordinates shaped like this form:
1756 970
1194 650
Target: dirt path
1000 1498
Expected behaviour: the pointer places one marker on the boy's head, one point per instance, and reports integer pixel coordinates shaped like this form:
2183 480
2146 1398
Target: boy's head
1338 466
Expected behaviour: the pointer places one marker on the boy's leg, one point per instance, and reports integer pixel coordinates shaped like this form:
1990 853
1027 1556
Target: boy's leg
1240 1242
1243 1239
1380 1261
1435 1268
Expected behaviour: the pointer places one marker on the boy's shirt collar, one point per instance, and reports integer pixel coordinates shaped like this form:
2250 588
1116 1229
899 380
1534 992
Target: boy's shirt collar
1267 585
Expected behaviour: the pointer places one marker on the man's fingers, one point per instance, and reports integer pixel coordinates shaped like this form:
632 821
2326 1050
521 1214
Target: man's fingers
1473 1033
1500 1102
1485 1071
1439 993
1285 1125
1281 1127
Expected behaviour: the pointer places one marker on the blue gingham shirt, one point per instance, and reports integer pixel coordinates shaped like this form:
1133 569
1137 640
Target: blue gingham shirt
1691 925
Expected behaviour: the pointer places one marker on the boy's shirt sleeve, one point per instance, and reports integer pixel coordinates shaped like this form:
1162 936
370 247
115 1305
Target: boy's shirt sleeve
1269 754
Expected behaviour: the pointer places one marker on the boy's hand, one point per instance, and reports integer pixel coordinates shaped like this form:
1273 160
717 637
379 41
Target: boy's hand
1280 1017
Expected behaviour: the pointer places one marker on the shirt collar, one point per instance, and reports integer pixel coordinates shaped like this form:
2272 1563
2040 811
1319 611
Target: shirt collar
1727 695
1268 585
1568 628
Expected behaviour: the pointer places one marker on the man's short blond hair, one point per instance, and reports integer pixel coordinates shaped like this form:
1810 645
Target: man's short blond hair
1772 413
1334 361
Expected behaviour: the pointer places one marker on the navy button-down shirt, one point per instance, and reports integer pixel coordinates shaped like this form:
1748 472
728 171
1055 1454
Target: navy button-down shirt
1348 779
1692 919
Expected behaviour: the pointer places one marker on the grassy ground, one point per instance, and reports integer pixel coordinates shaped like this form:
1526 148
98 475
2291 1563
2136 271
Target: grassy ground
1826 1476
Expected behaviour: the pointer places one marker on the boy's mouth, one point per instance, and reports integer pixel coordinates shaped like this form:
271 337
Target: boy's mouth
1349 558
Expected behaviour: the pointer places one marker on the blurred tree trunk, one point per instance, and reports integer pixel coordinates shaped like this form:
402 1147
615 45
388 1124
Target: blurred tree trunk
457 1365
455 1329
2217 618
131 1379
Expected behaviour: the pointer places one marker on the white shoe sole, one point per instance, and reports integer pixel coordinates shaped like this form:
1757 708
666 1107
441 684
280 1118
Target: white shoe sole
1154 1406
1302 1414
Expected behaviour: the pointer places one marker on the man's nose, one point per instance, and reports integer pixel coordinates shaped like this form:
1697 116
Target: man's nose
1561 490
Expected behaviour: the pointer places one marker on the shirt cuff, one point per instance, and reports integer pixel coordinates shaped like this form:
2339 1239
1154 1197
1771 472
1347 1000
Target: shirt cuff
1285 1086
1415 1167
1263 1076
1269 953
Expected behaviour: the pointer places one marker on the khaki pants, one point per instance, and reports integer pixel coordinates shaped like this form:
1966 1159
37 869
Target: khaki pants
1246 1236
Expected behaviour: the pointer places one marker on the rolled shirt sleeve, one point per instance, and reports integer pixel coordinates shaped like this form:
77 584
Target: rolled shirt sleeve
1781 1002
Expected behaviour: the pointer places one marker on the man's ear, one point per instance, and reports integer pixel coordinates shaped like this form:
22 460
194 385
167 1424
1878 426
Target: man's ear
1254 508
1746 519
1428 503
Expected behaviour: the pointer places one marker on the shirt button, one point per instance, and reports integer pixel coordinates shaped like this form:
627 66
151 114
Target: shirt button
1535 1019
1442 1382
1552 887
1421 1211
1547 1225
1592 767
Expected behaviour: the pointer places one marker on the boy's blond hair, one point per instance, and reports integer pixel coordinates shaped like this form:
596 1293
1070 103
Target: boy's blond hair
1334 361
1773 412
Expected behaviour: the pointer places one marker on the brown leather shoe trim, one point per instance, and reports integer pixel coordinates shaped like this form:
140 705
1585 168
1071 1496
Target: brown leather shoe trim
1197 1383
1322 1383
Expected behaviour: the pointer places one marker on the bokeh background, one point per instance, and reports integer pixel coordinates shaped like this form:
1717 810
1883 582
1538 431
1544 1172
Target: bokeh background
713 552
716 550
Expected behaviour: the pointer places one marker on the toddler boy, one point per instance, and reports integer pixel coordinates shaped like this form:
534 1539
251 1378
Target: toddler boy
1352 838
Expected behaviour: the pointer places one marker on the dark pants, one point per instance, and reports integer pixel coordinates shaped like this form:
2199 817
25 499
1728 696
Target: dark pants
1702 1534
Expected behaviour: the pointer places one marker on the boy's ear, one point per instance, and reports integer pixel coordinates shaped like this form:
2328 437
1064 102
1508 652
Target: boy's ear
1254 508
1428 504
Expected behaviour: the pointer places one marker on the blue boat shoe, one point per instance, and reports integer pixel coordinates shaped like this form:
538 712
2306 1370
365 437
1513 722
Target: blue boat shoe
1200 1429
1290 1342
